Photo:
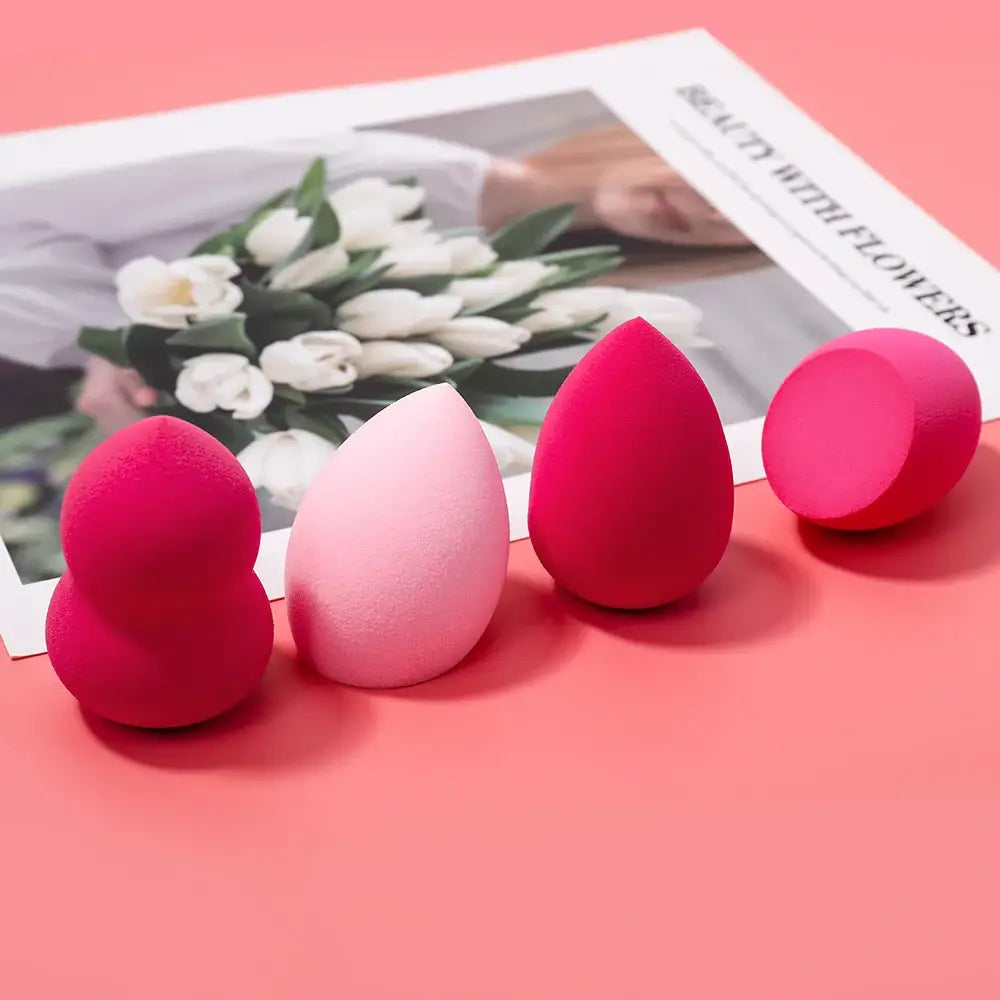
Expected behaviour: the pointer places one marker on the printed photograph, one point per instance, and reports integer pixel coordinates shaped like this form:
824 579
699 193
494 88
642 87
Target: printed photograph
279 296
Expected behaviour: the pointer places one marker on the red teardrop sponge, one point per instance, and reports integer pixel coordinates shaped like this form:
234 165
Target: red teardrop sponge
872 429
160 620
631 500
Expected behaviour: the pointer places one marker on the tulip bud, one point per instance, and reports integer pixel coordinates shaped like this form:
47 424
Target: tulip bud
285 463
510 279
402 359
311 362
312 268
479 337
223 382
276 235
395 313
172 295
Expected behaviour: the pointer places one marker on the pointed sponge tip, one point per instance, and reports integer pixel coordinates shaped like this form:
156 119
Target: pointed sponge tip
160 620
398 554
871 429
631 498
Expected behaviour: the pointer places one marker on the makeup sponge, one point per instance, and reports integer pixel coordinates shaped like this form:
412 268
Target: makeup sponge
631 498
160 620
873 428
398 554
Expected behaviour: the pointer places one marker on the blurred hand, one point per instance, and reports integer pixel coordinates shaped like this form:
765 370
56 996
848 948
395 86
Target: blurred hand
649 200
113 397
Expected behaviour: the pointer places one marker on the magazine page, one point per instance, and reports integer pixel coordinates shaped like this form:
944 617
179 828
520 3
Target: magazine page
279 270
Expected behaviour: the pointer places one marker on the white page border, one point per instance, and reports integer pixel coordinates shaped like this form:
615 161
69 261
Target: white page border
638 82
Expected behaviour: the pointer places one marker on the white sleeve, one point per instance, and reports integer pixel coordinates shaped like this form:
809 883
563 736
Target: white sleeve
219 187
48 281
61 240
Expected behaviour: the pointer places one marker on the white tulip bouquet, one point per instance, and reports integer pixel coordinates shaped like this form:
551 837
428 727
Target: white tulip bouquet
321 308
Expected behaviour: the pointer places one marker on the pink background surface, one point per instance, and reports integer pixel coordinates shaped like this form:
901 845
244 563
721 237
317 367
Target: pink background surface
785 789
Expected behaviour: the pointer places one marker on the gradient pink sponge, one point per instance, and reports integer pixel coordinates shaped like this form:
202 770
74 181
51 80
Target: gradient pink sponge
871 429
631 501
159 620
398 554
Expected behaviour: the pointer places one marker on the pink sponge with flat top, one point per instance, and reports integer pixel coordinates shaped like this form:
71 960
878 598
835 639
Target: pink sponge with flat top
160 620
871 429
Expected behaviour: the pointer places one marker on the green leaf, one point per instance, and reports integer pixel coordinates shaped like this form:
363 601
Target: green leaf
362 408
580 254
503 381
359 265
75 449
226 335
460 371
311 192
146 348
107 344
260 302
234 434
425 284
289 394
587 271
507 410
228 243
510 310
323 395
264 330
34 435
325 230
355 286
549 341
450 234
327 425
532 233
251 274
585 330
387 387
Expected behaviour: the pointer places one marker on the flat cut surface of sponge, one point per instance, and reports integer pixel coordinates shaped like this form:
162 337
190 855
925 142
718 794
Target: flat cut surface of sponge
871 429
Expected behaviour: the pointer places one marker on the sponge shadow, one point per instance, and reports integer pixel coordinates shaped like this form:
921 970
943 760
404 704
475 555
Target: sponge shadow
529 635
753 595
295 718
959 536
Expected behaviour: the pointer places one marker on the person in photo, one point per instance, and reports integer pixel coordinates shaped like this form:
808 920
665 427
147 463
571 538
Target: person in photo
62 242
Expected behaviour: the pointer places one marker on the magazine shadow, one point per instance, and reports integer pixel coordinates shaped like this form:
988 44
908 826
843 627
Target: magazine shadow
529 635
294 719
753 595
959 536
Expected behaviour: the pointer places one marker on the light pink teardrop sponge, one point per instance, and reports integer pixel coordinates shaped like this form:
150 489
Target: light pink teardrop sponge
871 429
398 554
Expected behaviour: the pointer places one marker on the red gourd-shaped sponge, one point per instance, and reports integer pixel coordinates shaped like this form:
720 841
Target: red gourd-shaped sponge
631 501
160 620
871 429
